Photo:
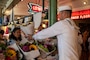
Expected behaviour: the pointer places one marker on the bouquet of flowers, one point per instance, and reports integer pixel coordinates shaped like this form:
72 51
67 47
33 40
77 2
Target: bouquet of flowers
25 47
2 47
30 51
46 47
11 54
2 50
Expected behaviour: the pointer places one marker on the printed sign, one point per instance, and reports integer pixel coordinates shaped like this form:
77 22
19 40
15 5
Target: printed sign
34 7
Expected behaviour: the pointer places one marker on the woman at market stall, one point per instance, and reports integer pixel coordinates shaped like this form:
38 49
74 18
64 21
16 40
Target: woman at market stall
14 41
15 36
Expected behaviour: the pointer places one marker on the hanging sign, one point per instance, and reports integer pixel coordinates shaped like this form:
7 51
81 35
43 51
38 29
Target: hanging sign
34 7
81 14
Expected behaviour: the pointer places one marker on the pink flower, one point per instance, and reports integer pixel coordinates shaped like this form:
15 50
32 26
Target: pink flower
25 48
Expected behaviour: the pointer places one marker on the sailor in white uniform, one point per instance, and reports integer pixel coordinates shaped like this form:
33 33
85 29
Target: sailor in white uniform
66 32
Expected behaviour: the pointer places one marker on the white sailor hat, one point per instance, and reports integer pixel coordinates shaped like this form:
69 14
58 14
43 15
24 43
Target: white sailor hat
62 8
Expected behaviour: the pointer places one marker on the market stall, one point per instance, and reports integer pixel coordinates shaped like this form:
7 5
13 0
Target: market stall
29 49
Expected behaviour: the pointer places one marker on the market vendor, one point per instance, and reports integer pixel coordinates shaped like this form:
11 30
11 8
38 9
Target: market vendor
66 32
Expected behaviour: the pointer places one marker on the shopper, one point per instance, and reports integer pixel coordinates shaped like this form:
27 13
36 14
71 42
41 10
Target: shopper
89 43
66 32
15 36
80 42
85 39
89 46
14 41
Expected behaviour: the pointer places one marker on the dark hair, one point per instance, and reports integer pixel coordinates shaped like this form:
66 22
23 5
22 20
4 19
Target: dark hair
12 36
2 32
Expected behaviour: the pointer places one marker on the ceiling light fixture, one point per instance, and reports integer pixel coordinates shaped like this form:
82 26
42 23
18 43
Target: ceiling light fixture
84 3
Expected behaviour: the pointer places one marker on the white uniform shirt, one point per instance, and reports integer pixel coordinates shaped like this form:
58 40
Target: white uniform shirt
67 35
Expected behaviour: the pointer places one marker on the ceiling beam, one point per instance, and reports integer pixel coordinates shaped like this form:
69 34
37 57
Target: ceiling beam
13 4
10 4
3 2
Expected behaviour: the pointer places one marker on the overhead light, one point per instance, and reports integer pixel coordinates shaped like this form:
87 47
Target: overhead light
84 3
44 26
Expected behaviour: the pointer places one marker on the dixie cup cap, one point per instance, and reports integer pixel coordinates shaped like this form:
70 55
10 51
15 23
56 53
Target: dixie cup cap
62 8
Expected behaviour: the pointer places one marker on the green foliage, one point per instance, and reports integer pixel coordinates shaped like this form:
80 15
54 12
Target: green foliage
2 46
44 48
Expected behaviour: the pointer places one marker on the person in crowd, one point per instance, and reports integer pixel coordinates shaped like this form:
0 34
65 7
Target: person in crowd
80 42
66 32
89 42
1 36
14 41
15 36
85 35
89 46
2 45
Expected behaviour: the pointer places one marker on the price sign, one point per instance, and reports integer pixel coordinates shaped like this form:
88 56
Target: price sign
34 7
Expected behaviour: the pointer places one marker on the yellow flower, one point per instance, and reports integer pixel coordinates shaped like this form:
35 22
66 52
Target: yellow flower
34 47
11 53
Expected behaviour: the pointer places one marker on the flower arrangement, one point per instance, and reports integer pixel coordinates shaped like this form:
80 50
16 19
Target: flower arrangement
46 47
10 54
28 47
2 47
30 51
2 50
